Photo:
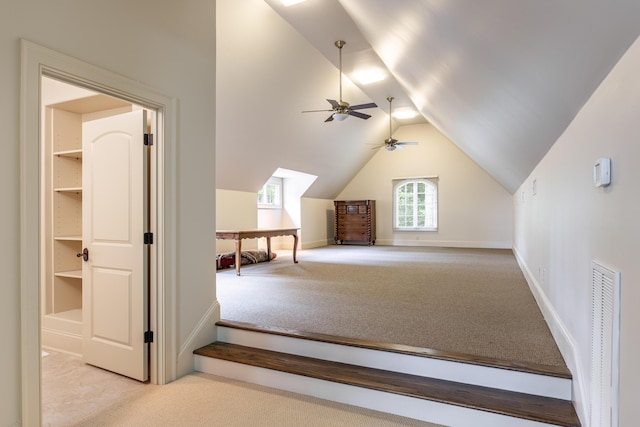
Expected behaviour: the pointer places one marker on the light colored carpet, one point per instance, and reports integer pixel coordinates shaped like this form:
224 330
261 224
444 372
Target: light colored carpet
72 390
207 400
468 301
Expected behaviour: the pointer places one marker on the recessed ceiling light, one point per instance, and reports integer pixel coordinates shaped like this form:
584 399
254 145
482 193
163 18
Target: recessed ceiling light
369 76
288 3
404 114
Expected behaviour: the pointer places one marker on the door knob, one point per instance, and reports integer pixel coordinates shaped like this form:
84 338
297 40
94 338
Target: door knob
84 254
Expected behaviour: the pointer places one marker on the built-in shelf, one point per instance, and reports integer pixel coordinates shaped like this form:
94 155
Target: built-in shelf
69 238
62 322
62 177
77 154
74 315
74 274
68 190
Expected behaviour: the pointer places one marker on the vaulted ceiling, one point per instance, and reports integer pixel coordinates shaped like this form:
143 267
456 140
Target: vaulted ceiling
501 79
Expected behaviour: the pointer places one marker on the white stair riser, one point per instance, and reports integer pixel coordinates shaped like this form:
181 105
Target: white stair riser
420 409
503 379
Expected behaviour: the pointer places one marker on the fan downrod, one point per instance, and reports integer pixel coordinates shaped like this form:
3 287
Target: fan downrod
341 109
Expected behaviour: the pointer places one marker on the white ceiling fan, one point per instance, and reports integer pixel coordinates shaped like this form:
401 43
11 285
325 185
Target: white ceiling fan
390 143
341 109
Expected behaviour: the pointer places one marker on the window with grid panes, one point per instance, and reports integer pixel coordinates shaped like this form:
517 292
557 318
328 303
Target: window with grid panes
415 204
270 195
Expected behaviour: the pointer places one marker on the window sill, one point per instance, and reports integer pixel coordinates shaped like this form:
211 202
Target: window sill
415 229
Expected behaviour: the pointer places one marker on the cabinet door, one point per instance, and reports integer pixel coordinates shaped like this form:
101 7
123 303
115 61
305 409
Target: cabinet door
114 278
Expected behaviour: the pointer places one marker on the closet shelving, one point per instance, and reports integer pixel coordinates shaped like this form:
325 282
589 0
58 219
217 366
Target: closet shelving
62 285
66 213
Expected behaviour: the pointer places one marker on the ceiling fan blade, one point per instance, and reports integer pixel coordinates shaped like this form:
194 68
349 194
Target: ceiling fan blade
407 143
315 111
363 106
329 119
359 115
333 103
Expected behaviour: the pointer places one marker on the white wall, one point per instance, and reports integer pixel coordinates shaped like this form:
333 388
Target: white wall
235 210
473 209
238 210
569 222
317 222
170 46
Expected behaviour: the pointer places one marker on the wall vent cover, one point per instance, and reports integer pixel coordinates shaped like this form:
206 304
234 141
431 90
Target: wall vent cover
605 324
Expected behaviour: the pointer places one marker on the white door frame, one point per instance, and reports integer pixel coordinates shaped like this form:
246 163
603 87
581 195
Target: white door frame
37 61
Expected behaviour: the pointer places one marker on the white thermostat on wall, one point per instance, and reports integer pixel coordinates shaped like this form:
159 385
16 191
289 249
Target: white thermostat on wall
602 172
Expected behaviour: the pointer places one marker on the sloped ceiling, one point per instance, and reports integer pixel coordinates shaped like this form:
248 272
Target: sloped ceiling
266 74
501 79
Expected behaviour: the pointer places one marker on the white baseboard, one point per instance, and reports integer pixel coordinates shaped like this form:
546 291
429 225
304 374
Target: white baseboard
316 244
62 342
564 339
445 243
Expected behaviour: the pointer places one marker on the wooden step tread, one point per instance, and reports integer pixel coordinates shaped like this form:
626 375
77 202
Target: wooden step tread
553 371
542 409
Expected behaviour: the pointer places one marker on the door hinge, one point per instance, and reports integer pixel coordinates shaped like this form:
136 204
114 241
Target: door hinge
148 337
148 238
148 139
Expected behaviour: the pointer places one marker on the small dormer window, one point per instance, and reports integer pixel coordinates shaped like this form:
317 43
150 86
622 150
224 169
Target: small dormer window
270 195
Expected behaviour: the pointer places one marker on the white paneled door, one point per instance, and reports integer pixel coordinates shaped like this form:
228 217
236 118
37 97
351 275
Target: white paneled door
114 296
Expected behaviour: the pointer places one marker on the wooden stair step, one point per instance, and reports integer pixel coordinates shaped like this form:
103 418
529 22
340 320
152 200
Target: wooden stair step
536 408
552 371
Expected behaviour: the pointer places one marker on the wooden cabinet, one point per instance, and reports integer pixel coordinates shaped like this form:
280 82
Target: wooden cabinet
355 221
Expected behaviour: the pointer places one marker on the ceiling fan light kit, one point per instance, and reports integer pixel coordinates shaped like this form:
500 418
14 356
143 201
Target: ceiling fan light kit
341 110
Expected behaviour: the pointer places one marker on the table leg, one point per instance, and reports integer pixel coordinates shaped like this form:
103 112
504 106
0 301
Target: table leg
238 255
295 247
268 248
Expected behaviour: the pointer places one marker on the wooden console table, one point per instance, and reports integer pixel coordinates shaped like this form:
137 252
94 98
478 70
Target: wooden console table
238 235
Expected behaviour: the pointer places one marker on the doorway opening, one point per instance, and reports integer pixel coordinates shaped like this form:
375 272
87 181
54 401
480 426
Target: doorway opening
62 298
94 197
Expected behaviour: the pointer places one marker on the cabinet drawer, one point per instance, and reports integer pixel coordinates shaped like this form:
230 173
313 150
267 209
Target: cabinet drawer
351 218
352 209
353 235
358 227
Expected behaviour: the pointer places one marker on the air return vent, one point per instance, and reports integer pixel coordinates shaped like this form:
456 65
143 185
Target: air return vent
605 315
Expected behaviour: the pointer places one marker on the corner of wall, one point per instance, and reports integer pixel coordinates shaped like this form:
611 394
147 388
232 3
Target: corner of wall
316 244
